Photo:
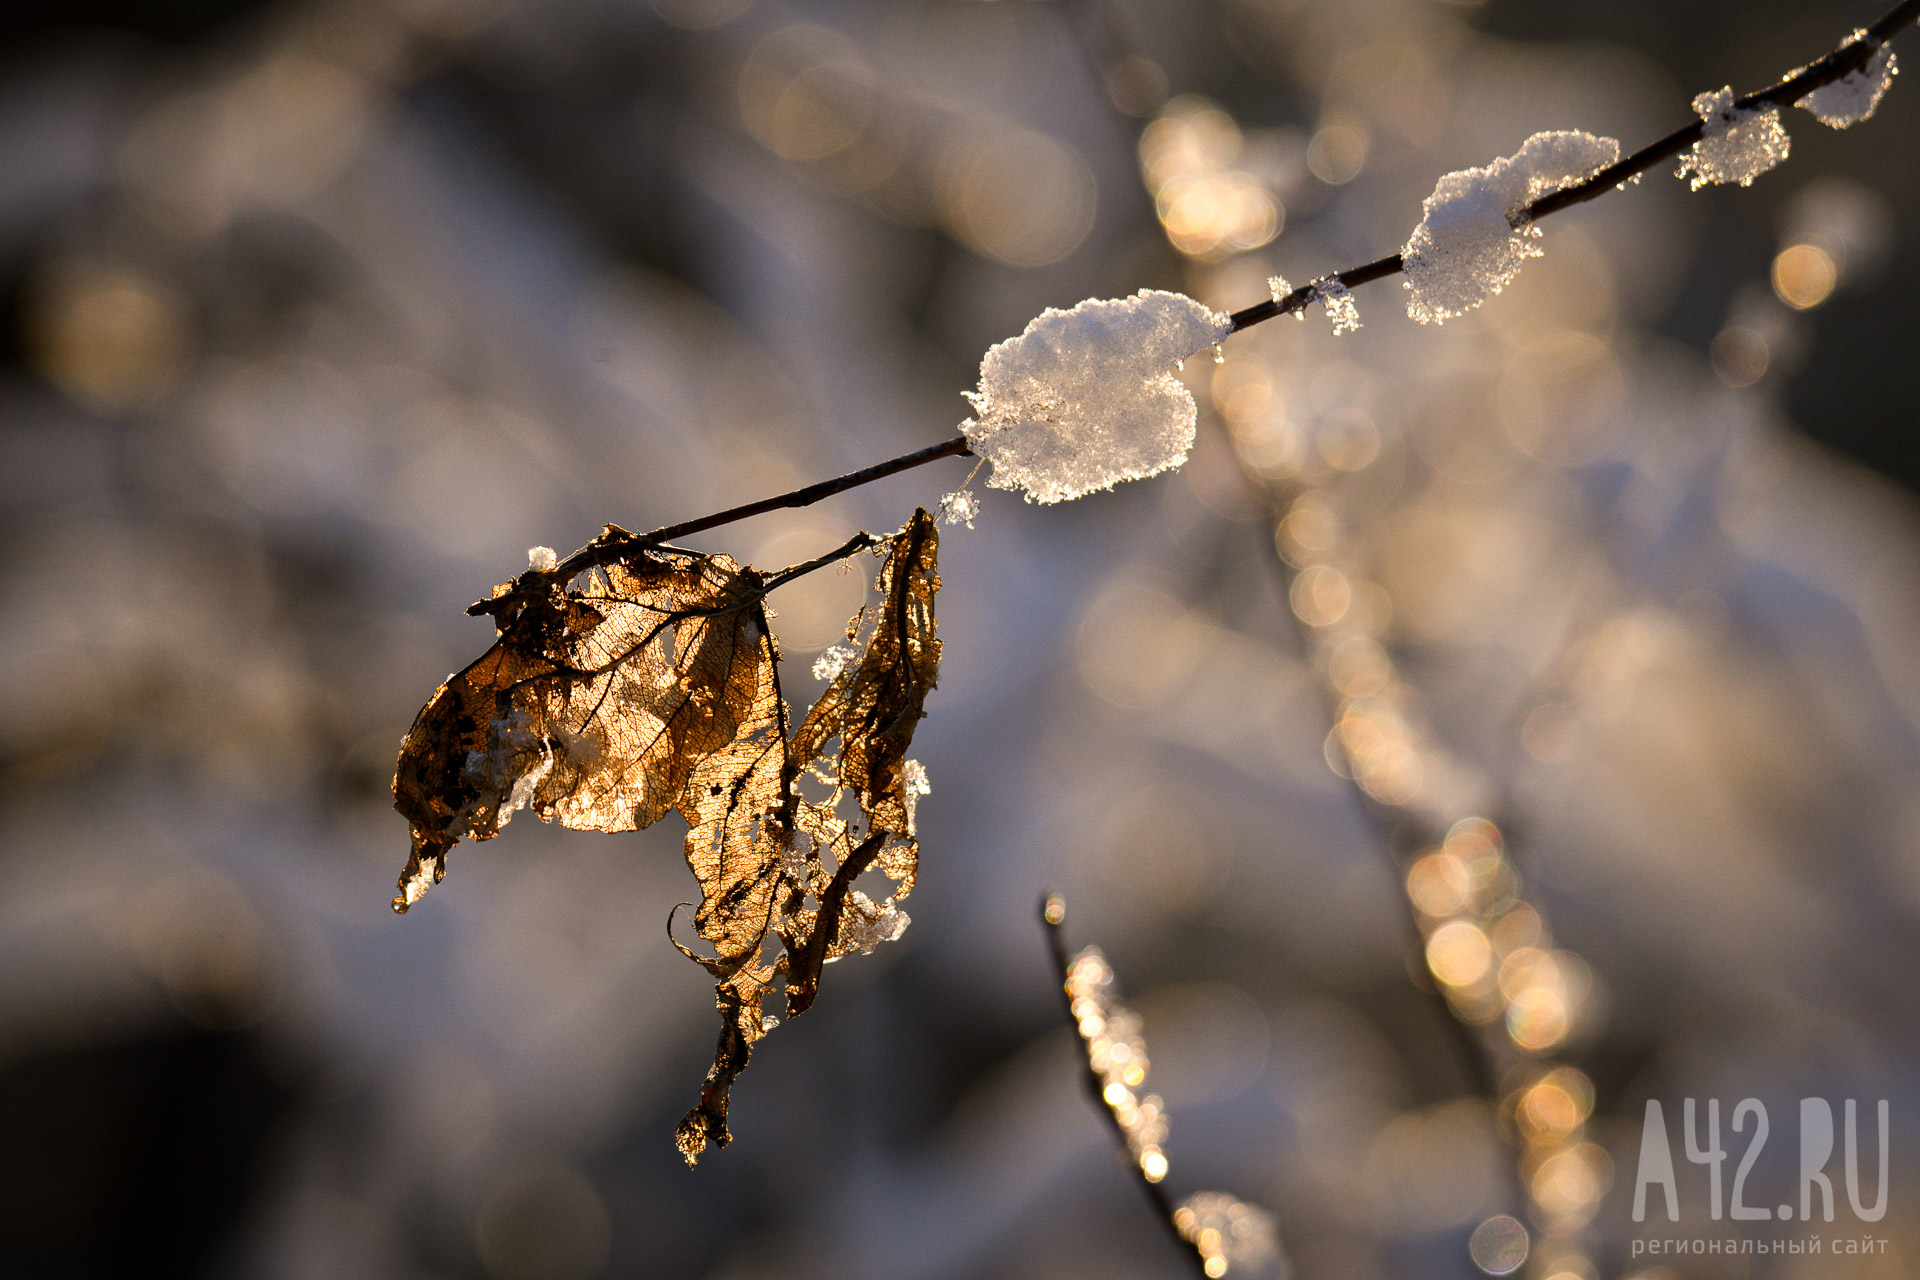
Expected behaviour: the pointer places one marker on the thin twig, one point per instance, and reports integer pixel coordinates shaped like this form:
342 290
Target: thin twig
1053 918
1847 58
1792 88
954 448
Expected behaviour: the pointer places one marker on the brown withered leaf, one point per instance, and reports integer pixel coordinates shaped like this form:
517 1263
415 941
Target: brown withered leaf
636 678
872 706
593 707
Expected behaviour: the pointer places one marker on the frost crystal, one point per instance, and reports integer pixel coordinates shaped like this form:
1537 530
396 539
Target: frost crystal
865 924
1086 398
1278 288
832 661
1853 97
1474 234
1740 143
913 784
1227 1232
543 559
1339 303
959 507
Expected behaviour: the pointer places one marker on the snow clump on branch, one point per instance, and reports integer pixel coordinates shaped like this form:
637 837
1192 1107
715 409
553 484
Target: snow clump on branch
1474 233
1738 145
1088 397
1854 96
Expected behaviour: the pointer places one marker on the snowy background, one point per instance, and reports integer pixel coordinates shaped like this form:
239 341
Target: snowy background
321 313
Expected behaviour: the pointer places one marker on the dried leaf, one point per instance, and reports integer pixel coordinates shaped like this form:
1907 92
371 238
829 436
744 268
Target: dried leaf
593 707
633 679
872 707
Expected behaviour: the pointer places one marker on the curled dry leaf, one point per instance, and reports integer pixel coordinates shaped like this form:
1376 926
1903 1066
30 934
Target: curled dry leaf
633 679
872 707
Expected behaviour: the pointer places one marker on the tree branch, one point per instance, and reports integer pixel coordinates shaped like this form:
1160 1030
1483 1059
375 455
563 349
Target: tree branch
954 448
1053 918
1845 59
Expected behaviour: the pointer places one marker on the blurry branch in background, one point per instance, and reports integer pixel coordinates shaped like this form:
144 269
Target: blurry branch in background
1214 1231
1850 58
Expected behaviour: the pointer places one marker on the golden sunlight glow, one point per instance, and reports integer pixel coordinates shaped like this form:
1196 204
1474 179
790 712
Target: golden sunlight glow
1804 276
1459 954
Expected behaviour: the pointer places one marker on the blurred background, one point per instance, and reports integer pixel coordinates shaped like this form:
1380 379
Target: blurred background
319 313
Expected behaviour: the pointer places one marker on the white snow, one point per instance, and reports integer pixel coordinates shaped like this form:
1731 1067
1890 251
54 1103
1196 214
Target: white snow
832 661
914 783
1854 96
542 558
432 868
1086 398
959 507
1740 143
1474 234
1338 301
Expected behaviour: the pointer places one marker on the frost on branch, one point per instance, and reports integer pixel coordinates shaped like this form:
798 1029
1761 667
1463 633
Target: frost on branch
1338 301
634 679
1738 145
1086 398
1854 96
1117 1054
1474 234
1226 1232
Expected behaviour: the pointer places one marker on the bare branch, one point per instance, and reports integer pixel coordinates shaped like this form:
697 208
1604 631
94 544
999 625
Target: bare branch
1847 58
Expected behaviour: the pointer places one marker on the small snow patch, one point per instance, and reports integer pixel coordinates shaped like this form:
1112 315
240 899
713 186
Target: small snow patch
1474 233
1854 96
832 661
959 507
1740 143
1338 301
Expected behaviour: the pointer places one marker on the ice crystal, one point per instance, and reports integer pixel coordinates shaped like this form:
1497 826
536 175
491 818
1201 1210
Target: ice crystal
542 559
959 507
833 660
1339 304
1854 96
865 924
1226 1232
1739 144
1474 233
1088 397
914 783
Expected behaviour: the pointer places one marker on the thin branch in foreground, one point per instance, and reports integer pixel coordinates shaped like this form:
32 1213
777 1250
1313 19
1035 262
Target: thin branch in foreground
1053 916
1789 90
954 448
